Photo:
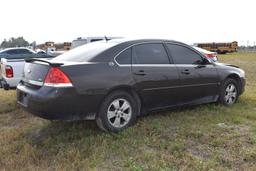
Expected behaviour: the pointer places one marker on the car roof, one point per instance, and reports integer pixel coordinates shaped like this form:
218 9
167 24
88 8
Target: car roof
134 41
118 45
14 48
104 50
126 42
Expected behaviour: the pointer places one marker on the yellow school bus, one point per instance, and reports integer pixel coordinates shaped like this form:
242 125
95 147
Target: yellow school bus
221 48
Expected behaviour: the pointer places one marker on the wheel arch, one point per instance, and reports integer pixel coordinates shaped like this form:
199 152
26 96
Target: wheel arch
235 77
129 90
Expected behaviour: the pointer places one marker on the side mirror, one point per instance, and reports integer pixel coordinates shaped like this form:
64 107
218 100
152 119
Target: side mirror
206 61
200 62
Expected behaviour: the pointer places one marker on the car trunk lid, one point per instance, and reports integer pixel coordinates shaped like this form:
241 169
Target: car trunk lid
35 71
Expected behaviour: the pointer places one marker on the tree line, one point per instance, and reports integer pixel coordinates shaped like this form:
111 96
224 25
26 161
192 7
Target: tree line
14 42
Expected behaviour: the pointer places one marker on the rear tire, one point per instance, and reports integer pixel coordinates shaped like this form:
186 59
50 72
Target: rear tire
118 111
229 92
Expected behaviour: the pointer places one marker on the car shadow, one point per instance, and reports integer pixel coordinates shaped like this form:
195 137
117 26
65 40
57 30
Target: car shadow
74 131
63 131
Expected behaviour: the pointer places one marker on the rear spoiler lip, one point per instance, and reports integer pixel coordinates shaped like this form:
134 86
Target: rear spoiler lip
53 64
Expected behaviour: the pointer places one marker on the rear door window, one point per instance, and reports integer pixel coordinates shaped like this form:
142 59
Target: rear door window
125 57
150 53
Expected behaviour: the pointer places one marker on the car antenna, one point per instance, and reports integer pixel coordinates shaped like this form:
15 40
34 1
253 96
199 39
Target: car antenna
106 38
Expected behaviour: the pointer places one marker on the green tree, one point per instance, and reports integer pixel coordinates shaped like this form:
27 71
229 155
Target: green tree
14 42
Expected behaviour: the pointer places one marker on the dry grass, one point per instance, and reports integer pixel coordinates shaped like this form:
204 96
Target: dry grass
200 138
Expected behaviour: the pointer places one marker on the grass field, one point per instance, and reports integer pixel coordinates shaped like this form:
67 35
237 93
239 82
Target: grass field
206 137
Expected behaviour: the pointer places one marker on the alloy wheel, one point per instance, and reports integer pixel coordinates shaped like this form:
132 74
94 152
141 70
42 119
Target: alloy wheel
119 113
230 94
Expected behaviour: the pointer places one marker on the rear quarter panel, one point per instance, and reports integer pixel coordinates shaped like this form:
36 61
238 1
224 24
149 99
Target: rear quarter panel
98 78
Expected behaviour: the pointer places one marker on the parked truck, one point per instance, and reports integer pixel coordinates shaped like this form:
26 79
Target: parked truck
12 65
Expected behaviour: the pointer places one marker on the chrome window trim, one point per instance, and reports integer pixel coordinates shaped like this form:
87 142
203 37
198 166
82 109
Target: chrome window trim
153 65
38 83
157 65
58 85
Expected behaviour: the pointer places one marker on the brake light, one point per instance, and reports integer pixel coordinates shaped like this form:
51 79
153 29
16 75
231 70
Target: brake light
8 71
57 78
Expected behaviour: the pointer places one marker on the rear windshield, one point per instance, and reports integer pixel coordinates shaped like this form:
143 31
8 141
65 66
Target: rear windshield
85 53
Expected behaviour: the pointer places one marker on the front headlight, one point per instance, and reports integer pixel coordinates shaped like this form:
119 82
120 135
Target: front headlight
242 73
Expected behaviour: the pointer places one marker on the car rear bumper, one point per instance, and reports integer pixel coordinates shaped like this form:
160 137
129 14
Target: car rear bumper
8 83
57 103
4 84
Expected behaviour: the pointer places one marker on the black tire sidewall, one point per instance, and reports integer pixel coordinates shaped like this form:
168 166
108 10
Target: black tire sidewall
102 115
223 90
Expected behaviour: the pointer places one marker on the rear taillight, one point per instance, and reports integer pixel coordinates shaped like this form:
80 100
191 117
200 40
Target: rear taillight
8 71
57 78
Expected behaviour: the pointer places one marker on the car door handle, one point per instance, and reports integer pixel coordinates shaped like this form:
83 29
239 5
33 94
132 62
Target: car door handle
140 72
200 66
186 72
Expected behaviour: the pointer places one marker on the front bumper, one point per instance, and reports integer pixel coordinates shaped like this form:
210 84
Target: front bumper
243 82
57 103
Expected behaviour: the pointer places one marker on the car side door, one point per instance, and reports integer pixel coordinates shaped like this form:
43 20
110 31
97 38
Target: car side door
199 78
156 78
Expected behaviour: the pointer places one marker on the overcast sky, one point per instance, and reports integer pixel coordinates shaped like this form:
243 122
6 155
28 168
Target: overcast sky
184 20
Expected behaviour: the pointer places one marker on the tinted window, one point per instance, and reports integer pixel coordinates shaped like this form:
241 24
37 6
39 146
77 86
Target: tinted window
150 54
125 57
183 55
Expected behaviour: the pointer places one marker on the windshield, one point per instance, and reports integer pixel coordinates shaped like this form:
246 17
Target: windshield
85 53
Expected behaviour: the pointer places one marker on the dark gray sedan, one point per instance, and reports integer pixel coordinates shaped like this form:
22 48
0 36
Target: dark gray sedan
116 81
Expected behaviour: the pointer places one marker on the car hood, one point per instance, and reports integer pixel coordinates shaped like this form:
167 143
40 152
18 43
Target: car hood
223 64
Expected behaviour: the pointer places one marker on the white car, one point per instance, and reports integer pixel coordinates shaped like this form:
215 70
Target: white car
84 40
208 54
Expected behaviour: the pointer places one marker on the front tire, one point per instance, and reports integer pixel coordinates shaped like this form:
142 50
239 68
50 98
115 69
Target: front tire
119 110
229 92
